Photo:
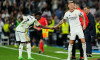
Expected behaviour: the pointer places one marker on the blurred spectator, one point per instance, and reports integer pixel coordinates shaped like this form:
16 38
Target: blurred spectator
59 13
2 18
6 28
18 21
66 7
20 14
19 2
41 4
29 6
5 14
56 20
15 12
35 6
93 11
64 31
11 18
12 27
51 24
97 33
14 7
1 25
60 3
7 7
21 7
49 4
54 4
98 11
1 6
7 2
46 12
44 7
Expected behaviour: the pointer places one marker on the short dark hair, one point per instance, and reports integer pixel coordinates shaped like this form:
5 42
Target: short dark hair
87 7
38 13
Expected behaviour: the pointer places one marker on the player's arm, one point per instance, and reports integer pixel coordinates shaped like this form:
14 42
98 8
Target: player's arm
36 23
45 27
61 22
83 18
35 27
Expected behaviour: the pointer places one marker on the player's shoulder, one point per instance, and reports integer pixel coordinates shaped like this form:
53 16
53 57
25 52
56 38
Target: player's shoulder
67 12
30 17
77 10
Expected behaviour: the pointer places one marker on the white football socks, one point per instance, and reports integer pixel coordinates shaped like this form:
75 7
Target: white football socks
29 50
69 51
20 50
84 50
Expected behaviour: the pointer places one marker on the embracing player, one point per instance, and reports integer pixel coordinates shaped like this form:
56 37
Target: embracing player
75 27
22 34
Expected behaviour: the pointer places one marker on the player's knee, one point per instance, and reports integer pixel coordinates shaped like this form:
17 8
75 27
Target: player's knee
71 42
83 40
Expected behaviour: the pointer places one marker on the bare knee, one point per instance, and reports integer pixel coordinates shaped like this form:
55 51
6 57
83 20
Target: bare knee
71 42
82 40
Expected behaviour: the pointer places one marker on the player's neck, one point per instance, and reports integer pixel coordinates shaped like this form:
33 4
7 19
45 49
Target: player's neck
71 10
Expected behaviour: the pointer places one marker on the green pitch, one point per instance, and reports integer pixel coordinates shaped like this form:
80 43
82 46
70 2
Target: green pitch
51 53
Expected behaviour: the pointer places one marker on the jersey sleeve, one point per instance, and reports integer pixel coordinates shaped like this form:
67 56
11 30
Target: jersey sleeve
65 16
36 23
80 13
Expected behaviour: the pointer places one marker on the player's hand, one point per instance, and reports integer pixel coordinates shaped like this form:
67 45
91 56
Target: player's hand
84 27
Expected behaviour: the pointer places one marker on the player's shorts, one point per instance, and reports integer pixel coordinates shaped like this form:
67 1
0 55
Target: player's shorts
76 31
22 37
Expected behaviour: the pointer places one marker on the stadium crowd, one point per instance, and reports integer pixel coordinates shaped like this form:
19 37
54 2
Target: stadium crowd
52 10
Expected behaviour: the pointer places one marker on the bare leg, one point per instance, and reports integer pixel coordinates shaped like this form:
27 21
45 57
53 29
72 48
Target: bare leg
84 48
70 49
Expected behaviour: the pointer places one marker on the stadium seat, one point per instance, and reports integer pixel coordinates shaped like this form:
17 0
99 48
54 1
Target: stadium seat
4 39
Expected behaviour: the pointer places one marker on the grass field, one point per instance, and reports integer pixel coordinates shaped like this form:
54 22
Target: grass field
51 53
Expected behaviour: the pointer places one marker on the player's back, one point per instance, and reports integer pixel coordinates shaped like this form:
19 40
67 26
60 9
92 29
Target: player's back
27 21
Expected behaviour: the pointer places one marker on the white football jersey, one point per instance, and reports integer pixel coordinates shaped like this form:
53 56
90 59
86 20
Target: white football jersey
27 21
73 18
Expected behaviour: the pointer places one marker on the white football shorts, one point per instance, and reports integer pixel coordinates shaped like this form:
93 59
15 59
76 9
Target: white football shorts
22 37
76 31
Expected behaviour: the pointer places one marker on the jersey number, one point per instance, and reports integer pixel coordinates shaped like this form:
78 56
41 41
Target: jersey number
25 21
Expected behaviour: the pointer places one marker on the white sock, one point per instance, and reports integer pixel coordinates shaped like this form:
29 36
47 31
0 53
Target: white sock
69 50
20 50
84 50
29 50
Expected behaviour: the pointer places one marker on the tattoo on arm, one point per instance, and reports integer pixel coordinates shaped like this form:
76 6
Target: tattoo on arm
61 22
83 18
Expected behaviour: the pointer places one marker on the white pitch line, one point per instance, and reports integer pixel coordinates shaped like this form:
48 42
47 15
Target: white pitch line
33 53
76 52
